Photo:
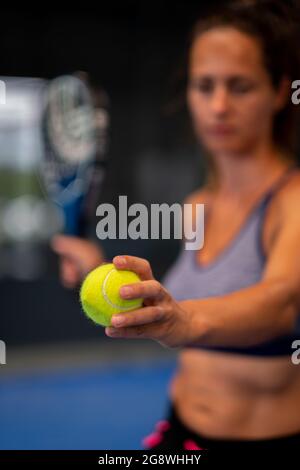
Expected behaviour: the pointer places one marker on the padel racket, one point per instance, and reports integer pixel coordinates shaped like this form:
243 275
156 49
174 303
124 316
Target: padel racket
74 134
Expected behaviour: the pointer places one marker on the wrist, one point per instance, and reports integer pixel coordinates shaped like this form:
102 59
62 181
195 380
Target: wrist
196 328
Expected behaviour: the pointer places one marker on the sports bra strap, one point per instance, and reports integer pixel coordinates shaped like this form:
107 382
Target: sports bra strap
279 183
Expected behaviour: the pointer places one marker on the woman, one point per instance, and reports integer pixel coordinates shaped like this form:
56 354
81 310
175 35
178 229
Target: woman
231 307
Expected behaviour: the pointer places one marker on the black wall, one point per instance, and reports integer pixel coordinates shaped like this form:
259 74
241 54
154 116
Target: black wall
135 50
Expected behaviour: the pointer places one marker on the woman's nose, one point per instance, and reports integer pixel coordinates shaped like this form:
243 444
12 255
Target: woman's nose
220 101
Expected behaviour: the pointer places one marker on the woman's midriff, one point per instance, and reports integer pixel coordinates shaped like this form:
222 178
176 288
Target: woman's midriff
233 396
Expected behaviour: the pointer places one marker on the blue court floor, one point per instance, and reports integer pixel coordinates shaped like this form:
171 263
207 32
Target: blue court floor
84 407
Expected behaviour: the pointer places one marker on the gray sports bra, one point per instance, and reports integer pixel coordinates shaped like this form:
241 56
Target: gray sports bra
240 264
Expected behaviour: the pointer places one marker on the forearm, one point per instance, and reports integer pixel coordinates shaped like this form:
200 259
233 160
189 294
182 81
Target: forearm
244 318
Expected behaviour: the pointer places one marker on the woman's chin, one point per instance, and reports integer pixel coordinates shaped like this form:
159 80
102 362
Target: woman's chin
226 144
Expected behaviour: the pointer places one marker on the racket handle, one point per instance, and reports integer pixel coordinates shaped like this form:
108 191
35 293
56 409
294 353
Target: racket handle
72 215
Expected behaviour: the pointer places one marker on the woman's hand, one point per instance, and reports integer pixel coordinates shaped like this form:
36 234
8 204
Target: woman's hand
161 319
77 258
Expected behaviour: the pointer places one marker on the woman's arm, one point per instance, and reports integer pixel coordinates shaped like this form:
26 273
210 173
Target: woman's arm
246 317
266 309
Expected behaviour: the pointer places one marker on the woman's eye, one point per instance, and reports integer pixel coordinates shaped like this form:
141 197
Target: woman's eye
203 87
241 87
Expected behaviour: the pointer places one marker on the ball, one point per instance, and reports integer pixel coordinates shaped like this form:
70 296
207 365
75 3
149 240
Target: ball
99 293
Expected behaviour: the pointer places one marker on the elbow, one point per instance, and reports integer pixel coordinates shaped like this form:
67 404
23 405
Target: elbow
289 318
289 295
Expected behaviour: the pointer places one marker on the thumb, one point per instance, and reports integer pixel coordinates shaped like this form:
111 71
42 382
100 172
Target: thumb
64 245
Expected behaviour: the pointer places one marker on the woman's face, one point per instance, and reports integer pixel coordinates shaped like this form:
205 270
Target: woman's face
230 95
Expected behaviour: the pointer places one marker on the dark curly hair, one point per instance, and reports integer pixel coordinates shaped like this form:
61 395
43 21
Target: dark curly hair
276 26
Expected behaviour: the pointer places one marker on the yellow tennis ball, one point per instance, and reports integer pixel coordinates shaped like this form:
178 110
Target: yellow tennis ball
99 293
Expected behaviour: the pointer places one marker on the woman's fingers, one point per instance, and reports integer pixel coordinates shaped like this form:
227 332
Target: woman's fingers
141 316
69 273
147 326
84 255
130 332
65 245
145 289
139 265
147 323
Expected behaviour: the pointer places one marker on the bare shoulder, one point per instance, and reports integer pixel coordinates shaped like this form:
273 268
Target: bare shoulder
283 208
283 211
199 196
288 197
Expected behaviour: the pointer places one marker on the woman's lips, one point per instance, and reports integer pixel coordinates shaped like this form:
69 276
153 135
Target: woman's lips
220 130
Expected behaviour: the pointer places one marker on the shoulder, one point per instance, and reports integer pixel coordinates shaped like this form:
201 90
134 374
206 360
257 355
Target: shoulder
199 196
189 205
284 210
287 200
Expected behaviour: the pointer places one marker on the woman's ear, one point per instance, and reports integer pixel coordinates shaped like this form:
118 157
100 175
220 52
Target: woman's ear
283 93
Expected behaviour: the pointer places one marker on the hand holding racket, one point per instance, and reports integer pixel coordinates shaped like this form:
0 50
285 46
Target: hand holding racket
77 258
75 125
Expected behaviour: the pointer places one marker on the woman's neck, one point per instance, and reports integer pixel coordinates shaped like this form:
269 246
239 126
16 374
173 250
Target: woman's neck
240 174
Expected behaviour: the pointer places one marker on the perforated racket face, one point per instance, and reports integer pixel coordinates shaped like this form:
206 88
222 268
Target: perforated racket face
69 137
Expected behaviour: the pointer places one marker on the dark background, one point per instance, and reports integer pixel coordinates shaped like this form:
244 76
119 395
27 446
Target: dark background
136 52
